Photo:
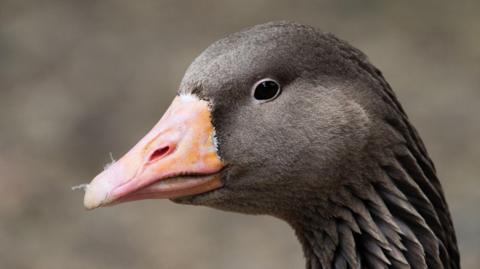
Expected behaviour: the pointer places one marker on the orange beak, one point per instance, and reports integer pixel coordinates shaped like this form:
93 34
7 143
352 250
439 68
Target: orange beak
178 157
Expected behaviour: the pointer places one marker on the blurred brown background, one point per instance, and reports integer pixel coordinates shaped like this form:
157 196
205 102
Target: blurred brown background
80 79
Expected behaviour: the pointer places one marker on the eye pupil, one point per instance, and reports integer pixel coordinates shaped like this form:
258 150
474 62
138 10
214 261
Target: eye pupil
266 90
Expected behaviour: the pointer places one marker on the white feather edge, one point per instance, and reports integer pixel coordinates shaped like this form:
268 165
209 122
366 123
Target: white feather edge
188 97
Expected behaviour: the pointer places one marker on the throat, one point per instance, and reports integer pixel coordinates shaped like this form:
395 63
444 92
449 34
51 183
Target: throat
320 242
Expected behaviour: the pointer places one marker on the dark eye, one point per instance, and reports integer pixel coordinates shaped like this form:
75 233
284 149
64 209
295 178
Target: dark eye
266 89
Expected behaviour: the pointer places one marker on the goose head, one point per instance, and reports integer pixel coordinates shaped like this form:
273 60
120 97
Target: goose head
283 119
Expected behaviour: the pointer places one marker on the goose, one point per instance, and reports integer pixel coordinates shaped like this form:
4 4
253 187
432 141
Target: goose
285 120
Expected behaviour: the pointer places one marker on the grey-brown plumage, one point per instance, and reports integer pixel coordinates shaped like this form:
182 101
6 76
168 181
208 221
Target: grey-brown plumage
334 154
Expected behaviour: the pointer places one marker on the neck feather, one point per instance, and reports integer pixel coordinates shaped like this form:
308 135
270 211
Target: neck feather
397 220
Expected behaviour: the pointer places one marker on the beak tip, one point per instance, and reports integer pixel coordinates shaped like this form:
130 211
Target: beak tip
95 196
90 201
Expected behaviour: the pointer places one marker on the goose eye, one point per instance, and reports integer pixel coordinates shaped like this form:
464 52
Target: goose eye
266 89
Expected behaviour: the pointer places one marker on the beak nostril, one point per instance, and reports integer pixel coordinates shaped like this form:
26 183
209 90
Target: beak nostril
159 153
